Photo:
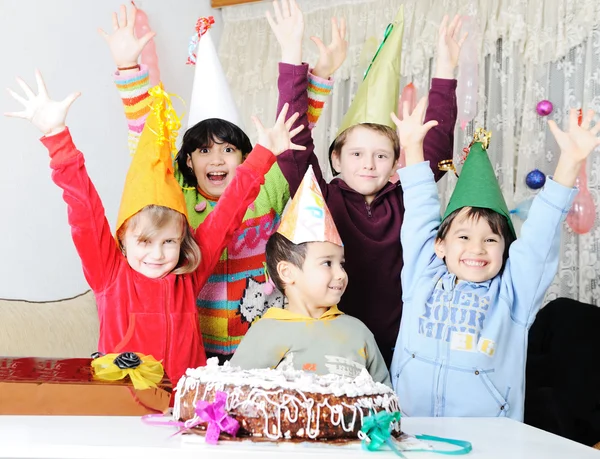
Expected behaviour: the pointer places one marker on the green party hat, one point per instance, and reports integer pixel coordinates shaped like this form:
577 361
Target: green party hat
477 185
377 95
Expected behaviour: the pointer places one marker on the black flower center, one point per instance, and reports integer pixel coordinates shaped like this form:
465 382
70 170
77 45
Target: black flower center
127 360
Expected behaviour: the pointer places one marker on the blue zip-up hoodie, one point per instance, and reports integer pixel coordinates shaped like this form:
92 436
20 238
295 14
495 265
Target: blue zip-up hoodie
462 346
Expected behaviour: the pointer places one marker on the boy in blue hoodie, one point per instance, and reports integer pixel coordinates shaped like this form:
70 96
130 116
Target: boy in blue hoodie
471 290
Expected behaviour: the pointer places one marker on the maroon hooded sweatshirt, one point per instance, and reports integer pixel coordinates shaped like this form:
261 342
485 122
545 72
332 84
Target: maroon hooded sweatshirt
370 232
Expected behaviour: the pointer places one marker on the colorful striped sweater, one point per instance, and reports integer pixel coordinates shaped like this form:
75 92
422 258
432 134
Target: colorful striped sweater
234 296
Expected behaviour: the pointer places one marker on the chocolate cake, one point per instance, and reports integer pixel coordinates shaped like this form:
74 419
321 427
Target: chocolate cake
286 404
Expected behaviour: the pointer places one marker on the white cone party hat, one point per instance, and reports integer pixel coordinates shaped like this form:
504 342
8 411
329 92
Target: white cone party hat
211 96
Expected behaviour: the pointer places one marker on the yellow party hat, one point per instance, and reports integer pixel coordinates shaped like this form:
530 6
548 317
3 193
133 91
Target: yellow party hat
150 180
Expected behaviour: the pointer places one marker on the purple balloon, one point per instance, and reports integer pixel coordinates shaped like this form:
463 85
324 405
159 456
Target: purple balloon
544 107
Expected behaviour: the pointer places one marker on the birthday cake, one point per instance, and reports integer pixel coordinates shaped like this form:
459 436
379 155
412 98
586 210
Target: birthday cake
285 404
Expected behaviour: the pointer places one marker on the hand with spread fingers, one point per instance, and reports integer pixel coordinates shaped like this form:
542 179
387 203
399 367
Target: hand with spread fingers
412 131
124 46
449 44
279 138
332 56
576 143
44 113
287 23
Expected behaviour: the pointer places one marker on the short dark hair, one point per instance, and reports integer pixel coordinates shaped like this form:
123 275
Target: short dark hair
341 139
279 248
205 134
498 224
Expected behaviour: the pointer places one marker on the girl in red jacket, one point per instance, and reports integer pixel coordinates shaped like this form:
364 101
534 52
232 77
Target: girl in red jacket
146 284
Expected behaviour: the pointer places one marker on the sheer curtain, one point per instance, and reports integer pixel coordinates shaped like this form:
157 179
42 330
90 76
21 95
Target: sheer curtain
529 51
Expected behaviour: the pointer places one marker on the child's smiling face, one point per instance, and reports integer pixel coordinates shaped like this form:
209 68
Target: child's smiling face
153 252
471 249
214 167
366 161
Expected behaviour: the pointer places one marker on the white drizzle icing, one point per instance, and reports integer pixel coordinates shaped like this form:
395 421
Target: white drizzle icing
267 384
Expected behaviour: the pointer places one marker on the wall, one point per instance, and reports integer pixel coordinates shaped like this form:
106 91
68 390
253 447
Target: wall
37 259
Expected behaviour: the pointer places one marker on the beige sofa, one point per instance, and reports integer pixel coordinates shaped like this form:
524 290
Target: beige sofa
67 328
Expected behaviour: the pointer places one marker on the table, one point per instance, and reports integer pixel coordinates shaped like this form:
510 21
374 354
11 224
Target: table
95 437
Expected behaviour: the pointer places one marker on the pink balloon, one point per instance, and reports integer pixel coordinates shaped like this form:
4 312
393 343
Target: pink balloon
148 57
468 76
408 95
582 215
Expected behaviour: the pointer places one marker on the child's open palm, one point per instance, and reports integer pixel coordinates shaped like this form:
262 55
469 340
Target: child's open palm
332 56
124 46
279 138
44 113
578 141
288 23
411 130
449 44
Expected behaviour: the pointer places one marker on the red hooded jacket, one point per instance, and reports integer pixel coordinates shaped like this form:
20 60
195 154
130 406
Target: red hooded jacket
138 314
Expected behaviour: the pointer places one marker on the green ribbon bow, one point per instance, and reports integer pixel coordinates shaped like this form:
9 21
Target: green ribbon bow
378 428
377 431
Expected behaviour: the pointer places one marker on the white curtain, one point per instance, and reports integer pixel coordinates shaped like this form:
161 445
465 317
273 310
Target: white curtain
529 51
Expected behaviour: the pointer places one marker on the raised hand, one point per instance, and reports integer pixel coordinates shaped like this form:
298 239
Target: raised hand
332 56
287 23
124 46
575 144
279 138
44 113
448 48
412 131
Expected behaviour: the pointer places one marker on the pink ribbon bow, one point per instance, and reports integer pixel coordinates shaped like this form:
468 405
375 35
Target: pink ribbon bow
217 418
212 413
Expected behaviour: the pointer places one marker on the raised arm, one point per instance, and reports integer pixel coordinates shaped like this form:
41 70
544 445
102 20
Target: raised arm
421 202
533 257
439 141
305 98
89 228
132 80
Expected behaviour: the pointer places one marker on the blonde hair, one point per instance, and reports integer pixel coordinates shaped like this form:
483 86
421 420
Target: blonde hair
158 217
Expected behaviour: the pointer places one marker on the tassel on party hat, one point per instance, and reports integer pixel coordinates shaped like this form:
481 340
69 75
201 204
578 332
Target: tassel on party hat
150 180
211 96
377 95
477 185
307 218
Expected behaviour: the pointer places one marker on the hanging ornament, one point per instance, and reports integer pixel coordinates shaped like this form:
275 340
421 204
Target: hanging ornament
582 215
522 209
583 211
535 179
544 107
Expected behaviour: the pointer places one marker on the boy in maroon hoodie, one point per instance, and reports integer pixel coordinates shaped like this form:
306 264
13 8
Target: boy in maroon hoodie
367 208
